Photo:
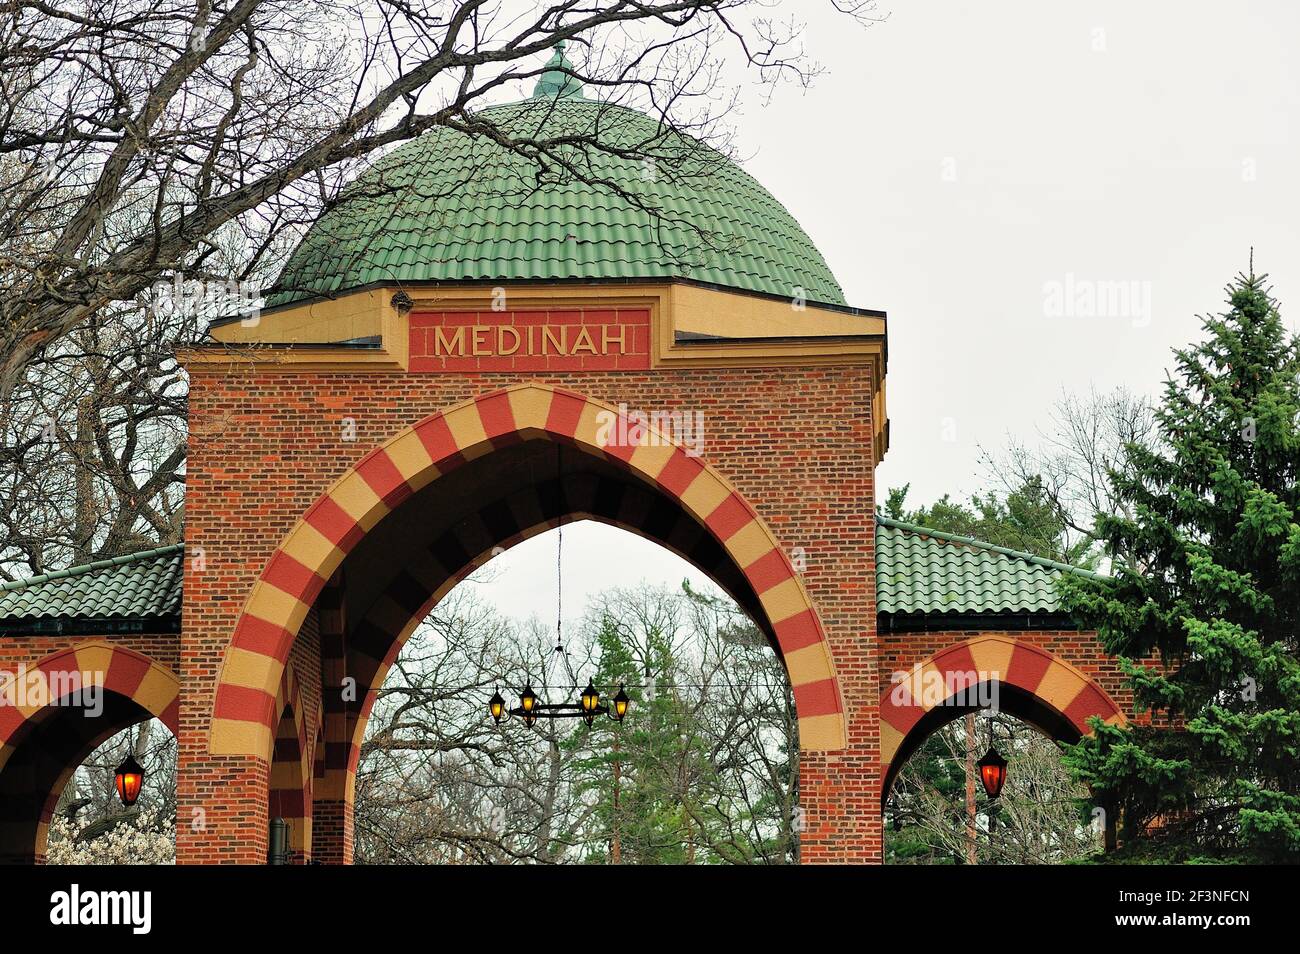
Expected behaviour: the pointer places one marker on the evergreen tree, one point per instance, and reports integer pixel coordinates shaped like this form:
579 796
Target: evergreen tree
1024 520
640 774
1212 590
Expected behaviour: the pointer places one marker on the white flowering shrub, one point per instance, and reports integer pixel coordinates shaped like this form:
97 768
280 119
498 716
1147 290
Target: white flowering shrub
142 838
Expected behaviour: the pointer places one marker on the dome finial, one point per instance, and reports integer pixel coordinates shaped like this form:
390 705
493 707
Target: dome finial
555 82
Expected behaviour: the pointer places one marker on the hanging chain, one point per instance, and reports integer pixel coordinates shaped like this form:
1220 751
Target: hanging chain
559 565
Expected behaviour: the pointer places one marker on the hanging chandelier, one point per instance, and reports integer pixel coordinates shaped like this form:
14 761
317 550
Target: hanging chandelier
532 706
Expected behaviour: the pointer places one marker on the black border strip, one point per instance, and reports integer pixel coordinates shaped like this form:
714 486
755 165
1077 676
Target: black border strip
887 622
85 626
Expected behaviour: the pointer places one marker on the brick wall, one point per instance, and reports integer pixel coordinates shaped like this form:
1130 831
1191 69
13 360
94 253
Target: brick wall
162 648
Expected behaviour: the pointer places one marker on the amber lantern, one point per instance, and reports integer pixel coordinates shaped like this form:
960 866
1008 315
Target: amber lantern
497 706
993 772
528 705
621 702
129 779
590 702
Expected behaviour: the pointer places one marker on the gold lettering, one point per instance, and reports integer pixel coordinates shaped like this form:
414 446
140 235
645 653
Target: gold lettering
584 336
606 338
502 331
559 341
481 347
455 345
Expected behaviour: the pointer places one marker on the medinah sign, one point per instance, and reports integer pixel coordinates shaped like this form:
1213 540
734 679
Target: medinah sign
435 378
504 341
530 339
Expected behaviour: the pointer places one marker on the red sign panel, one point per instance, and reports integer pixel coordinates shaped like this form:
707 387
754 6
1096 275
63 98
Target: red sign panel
577 340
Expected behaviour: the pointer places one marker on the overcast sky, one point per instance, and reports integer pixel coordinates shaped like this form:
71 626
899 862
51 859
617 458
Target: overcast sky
961 162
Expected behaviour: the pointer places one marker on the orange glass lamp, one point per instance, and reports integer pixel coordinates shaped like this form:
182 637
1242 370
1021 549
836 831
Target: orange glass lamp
993 772
129 779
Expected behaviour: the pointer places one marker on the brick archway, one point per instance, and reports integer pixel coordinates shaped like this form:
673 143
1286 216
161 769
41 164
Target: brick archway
1053 695
136 688
123 671
243 713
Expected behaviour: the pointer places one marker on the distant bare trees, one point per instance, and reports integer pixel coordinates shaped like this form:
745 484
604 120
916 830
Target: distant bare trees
1084 440
1039 817
438 782
704 770
93 444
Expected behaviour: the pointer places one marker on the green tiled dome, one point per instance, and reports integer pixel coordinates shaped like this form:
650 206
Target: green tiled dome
451 206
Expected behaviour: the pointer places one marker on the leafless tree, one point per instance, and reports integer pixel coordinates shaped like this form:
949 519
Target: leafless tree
1084 440
138 138
439 782
92 449
747 807
1038 818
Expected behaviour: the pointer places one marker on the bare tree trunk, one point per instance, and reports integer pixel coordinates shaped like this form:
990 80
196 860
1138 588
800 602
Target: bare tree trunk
553 781
616 844
83 528
972 858
142 739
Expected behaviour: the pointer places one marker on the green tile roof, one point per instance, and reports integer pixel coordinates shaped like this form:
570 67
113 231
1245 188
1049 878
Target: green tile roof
919 570
139 586
450 206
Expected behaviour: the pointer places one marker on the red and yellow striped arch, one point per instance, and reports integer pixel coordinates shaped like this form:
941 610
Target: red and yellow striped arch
126 672
243 715
117 669
1053 682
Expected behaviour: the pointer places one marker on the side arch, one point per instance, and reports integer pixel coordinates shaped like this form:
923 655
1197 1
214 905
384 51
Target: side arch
42 744
117 669
1040 688
243 716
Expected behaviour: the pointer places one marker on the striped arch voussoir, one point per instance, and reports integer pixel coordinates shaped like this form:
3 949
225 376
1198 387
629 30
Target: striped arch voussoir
290 786
243 717
117 669
1049 679
290 696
